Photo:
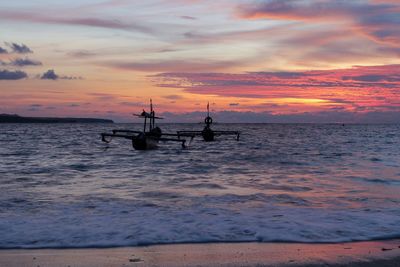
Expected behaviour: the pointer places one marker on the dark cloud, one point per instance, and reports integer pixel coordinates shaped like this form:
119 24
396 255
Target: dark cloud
313 9
19 48
167 50
49 75
3 51
374 78
286 74
21 62
188 17
35 107
104 97
191 35
82 54
12 75
234 104
71 78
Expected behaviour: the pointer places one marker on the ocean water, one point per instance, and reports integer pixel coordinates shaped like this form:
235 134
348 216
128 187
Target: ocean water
60 186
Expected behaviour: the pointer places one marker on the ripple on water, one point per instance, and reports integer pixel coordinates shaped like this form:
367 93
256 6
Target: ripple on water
303 183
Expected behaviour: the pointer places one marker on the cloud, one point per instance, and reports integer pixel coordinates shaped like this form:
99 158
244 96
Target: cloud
78 21
12 75
21 62
3 50
104 96
294 44
378 21
312 10
36 106
375 87
51 75
172 65
374 78
19 49
188 17
71 78
387 76
82 54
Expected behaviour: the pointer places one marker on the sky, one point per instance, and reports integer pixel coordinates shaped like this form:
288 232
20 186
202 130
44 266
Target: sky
252 60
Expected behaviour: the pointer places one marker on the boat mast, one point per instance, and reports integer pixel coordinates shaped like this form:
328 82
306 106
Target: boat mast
152 115
145 122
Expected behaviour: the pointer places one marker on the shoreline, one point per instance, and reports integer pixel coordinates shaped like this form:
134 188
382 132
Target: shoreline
367 253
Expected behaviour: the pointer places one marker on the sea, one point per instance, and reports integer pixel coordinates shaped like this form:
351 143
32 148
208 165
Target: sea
62 187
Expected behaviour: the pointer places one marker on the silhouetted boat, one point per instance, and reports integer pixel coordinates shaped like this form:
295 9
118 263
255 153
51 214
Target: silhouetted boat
207 133
149 137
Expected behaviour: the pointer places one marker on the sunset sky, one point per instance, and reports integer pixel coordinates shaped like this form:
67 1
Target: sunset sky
255 61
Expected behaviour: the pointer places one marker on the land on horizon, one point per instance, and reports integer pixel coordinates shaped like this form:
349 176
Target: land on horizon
13 118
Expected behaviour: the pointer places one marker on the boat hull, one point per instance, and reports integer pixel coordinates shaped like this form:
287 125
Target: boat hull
208 134
145 142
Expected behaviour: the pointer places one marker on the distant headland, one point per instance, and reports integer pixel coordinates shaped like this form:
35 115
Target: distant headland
13 118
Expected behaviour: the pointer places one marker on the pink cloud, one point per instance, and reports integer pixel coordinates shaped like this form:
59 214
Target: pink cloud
370 87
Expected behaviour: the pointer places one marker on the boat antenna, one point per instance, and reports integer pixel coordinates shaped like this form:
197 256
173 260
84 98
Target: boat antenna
208 109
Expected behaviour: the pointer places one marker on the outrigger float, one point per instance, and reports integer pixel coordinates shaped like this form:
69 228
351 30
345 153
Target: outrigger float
207 133
149 137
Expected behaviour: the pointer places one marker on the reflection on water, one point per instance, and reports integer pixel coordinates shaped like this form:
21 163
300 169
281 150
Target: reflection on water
61 187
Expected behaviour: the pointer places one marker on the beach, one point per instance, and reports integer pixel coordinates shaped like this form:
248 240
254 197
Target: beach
368 254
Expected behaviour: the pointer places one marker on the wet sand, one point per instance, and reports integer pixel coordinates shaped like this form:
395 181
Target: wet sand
368 254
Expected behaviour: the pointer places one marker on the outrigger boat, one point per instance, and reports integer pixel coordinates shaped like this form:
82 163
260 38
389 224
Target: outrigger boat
149 137
207 133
